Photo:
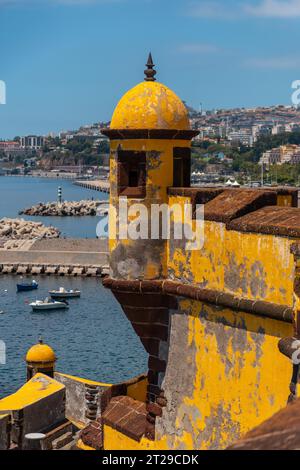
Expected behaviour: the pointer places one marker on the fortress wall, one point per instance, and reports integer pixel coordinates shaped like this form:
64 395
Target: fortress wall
224 375
4 432
246 264
77 404
214 371
149 316
140 259
52 257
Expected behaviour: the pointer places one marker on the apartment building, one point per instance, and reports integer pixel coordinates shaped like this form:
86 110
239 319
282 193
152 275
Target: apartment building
284 154
33 142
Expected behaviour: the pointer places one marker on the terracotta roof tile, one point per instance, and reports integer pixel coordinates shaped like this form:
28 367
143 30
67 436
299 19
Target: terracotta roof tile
281 432
273 220
126 415
232 203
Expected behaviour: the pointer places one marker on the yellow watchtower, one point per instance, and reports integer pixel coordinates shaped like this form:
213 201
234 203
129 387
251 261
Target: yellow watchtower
40 358
150 151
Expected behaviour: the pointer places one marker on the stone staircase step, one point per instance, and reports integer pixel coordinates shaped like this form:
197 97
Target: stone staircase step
62 441
56 433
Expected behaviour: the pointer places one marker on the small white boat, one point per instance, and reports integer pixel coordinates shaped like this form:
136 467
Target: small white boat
62 293
48 304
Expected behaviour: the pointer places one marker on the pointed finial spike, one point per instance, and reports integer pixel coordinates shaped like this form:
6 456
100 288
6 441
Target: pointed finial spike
41 339
150 60
150 72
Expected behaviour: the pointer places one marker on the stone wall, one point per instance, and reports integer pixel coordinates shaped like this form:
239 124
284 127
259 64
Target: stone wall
83 398
4 432
238 256
224 375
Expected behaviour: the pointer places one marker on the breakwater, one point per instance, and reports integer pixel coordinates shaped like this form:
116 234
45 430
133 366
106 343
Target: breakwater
97 185
20 229
54 269
111 355
20 192
62 257
64 209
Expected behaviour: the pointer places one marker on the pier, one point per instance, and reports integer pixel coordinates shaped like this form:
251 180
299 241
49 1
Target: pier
61 257
96 185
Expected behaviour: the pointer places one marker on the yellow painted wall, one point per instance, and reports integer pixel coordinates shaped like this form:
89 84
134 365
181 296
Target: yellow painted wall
159 178
36 389
230 377
284 200
224 374
115 440
239 378
138 390
83 380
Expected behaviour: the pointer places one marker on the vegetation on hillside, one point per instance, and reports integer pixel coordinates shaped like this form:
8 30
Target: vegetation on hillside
77 151
244 160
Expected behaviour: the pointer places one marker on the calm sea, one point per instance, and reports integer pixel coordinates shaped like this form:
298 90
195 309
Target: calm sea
93 339
17 193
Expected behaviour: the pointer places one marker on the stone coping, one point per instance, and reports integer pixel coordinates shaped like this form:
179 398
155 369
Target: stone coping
280 432
218 298
123 134
272 220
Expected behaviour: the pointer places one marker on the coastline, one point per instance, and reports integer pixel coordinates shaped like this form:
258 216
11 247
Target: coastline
22 192
66 256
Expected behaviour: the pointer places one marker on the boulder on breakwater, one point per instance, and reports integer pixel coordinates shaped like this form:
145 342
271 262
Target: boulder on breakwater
64 209
20 229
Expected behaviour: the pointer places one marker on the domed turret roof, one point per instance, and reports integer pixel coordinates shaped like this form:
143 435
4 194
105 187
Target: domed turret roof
150 105
40 353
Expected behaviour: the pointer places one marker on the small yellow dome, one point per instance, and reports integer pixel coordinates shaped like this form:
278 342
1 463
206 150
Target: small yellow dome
150 105
40 353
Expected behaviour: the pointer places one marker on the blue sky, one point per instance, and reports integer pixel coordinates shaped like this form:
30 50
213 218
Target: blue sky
67 62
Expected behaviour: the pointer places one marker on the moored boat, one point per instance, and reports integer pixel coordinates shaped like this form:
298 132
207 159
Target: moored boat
62 293
25 286
48 304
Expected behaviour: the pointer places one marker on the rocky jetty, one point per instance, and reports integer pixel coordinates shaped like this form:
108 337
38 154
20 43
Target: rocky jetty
73 208
20 229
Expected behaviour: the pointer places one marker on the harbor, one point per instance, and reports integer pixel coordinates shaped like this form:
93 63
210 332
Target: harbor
63 257
17 193
71 331
95 185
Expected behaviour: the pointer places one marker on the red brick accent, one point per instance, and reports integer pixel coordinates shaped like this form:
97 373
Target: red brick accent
92 435
154 390
151 345
147 330
133 299
150 418
156 364
148 311
120 134
147 315
152 377
161 402
127 416
150 431
134 289
154 409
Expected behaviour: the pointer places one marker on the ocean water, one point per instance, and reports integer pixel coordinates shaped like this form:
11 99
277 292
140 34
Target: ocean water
17 193
92 339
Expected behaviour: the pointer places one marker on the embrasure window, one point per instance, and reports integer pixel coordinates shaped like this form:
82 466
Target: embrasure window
181 167
132 174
